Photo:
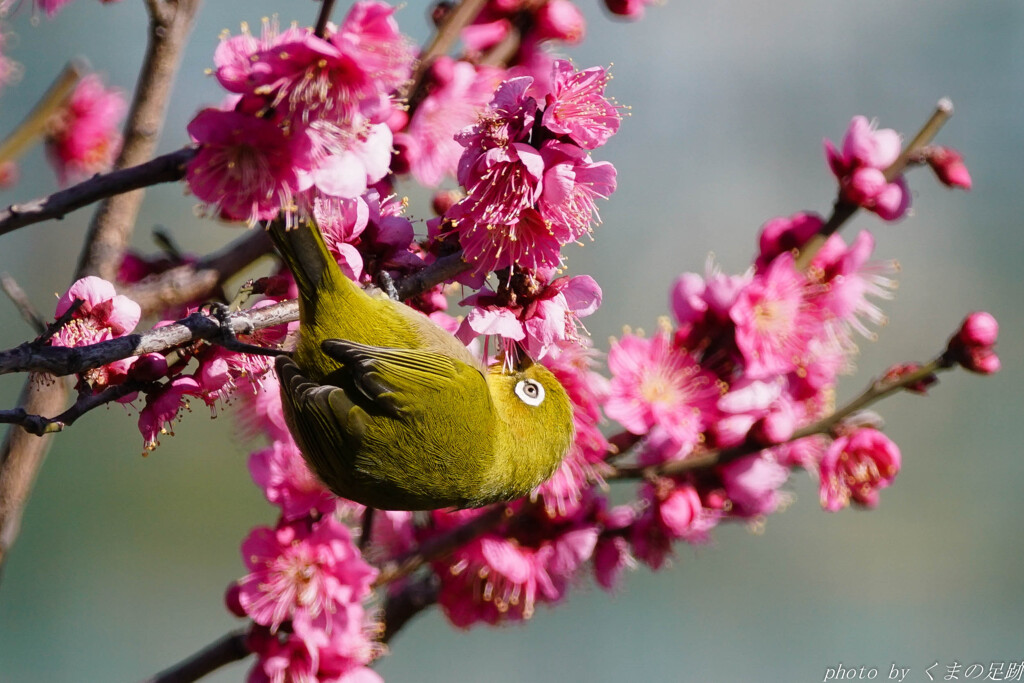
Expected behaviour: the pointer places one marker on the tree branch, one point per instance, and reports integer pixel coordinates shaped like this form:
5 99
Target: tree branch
163 169
229 648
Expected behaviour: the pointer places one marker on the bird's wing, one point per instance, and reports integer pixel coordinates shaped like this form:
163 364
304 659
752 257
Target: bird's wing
388 377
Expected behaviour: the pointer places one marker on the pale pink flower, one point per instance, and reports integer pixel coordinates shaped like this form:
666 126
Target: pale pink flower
752 484
103 315
773 322
460 95
856 467
84 137
341 222
572 183
297 571
345 166
860 167
656 384
247 167
286 480
577 107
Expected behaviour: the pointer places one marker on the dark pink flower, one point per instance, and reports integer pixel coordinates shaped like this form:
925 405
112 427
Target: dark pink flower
162 408
84 137
786 234
560 20
949 167
247 168
656 384
973 346
630 9
295 571
855 467
577 107
286 480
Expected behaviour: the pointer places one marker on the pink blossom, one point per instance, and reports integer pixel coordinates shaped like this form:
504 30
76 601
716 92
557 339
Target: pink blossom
459 96
162 408
786 234
674 512
855 467
572 364
847 279
577 107
572 183
262 411
773 322
492 579
560 20
508 119
630 9
752 484
246 167
656 384
103 315
342 221
83 137
282 473
861 165
345 166
296 571
948 165
747 401
973 346
611 557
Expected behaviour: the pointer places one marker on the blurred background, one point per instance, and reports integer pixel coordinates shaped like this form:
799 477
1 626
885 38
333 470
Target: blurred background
123 560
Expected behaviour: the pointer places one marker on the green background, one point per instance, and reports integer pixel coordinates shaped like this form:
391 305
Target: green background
122 560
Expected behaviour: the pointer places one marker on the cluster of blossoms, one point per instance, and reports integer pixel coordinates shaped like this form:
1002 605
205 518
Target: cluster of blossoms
312 126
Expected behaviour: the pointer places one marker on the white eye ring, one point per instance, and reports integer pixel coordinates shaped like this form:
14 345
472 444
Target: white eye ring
530 391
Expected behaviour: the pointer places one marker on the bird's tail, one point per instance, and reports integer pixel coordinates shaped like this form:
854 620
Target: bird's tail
304 251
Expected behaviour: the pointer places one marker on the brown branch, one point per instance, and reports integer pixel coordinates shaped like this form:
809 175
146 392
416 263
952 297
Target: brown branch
38 120
843 210
40 425
20 300
456 19
325 16
402 606
163 169
21 453
228 649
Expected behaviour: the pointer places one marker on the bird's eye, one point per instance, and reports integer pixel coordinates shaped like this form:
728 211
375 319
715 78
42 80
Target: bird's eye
530 391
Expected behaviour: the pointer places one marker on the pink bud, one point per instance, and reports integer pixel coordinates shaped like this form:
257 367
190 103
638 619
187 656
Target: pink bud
949 167
231 600
560 20
148 368
979 329
982 361
631 9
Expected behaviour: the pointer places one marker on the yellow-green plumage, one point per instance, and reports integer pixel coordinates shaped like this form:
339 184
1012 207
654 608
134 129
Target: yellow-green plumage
392 411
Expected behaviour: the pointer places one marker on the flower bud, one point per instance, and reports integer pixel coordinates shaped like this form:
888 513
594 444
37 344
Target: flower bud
231 600
949 167
560 20
979 329
148 368
972 345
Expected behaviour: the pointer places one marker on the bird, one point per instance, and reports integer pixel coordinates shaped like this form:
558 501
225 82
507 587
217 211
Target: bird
392 411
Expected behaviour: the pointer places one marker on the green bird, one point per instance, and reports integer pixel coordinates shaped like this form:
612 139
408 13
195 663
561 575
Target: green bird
392 411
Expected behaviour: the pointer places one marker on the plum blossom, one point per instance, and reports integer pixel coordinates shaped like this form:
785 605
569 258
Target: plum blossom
577 107
773 322
656 384
103 315
247 167
316 573
163 406
973 346
855 467
282 473
84 136
860 167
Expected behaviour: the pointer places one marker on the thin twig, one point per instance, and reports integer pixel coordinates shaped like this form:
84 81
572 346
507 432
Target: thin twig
164 169
456 19
39 424
17 295
325 16
229 648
